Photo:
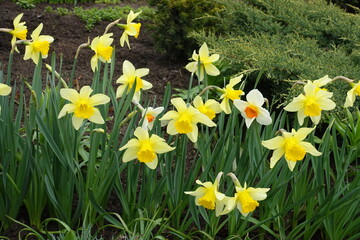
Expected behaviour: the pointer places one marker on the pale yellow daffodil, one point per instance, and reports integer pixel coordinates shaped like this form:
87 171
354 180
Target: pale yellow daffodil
184 120
145 148
351 94
130 75
245 199
208 196
19 31
311 103
103 50
4 89
39 46
229 93
82 105
252 109
130 28
205 61
210 108
292 146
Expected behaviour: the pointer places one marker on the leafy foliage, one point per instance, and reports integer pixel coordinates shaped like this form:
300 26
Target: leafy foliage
175 19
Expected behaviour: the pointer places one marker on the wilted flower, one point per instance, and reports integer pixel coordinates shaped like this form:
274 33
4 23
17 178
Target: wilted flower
40 45
208 195
82 105
292 146
311 103
229 93
245 199
205 61
252 109
210 108
103 50
130 75
130 28
4 89
145 148
184 120
351 94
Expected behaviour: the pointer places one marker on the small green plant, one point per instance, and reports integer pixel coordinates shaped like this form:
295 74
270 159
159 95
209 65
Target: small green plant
27 4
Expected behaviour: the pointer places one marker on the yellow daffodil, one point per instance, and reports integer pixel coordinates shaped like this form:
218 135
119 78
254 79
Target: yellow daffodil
82 105
149 115
19 30
4 89
145 148
184 120
311 103
40 45
351 94
229 93
103 50
130 28
205 61
252 109
245 199
292 146
208 195
210 108
130 75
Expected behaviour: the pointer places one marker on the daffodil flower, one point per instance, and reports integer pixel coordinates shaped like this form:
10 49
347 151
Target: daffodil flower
19 31
130 75
130 28
351 94
210 108
4 89
82 105
311 103
292 146
40 45
145 148
184 120
205 61
103 50
208 196
245 199
229 93
149 115
252 109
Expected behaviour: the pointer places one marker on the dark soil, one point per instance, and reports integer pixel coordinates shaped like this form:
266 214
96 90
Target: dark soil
69 32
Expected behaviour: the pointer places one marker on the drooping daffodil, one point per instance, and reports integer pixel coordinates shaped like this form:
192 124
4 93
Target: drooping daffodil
252 109
210 108
130 28
352 93
39 46
229 93
184 120
145 148
129 77
19 31
245 199
311 103
103 51
290 145
82 105
208 195
205 61
4 89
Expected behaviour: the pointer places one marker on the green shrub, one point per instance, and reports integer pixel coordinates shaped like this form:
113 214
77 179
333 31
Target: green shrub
174 19
286 41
